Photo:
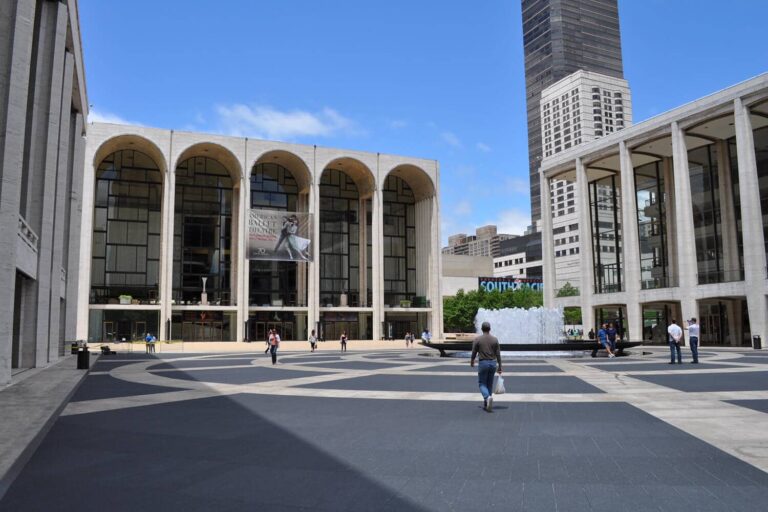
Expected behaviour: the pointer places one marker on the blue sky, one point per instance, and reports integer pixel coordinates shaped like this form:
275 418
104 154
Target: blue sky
438 79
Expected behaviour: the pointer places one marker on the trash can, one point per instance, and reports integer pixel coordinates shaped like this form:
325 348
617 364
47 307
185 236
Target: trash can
757 343
83 359
74 347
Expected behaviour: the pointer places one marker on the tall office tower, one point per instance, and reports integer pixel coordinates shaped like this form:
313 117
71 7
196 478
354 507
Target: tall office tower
559 38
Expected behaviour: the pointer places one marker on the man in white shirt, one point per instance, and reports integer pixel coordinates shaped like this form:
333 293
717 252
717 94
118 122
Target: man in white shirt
693 337
675 335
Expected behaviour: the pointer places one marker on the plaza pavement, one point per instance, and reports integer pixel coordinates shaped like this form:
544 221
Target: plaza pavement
395 429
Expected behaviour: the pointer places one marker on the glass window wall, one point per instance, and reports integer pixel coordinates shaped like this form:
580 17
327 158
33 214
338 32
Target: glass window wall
202 238
761 156
203 325
399 241
652 232
113 326
605 200
125 253
273 187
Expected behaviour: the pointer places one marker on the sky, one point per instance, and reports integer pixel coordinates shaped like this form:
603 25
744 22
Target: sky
435 79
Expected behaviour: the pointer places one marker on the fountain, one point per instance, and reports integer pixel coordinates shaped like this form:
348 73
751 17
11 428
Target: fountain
538 330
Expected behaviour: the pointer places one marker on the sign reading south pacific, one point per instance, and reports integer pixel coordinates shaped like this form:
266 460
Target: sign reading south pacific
279 235
506 283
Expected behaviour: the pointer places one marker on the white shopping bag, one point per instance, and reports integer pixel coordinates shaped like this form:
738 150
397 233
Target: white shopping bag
498 385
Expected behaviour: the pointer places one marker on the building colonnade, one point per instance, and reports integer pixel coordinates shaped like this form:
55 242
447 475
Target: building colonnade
673 220
169 211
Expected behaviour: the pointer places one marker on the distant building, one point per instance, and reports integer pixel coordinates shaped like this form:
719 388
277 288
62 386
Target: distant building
519 257
463 272
485 242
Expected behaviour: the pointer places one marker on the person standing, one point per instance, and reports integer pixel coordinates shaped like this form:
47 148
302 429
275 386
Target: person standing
426 337
602 337
147 342
274 343
269 340
611 333
312 340
693 336
675 334
486 347
591 335
344 341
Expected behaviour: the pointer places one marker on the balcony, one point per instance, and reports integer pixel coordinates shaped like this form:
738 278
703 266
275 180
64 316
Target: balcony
27 234
720 276
655 283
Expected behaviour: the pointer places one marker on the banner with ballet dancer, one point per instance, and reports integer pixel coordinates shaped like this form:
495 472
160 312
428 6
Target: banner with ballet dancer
279 235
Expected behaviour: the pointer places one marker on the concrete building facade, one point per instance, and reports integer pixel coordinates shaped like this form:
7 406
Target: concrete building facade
485 242
561 37
687 195
43 105
164 210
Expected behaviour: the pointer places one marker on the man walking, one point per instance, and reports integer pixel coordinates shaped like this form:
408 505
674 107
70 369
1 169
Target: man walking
675 334
487 348
693 337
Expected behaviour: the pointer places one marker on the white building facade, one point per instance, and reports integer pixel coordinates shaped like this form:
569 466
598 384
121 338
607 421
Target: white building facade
682 201
580 108
164 209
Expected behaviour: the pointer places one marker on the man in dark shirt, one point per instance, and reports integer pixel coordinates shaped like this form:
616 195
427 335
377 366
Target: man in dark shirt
487 348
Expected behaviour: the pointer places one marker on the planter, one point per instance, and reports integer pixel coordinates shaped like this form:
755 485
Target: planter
405 303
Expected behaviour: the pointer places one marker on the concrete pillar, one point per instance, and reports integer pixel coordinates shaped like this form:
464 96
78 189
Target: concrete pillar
751 221
669 218
547 242
243 272
377 254
166 244
76 233
728 233
41 202
313 298
630 242
685 241
55 334
586 261
16 23
435 272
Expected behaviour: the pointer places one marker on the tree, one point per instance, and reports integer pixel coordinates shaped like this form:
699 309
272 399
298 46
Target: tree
459 311
568 290
572 316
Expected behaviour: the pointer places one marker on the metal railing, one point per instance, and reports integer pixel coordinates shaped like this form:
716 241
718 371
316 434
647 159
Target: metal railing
659 282
720 276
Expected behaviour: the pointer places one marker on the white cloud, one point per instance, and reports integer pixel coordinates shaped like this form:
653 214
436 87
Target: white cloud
97 116
485 148
451 139
396 124
513 222
267 122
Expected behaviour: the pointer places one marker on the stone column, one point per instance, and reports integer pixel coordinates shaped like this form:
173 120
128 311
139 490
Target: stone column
76 232
242 281
377 266
751 221
547 242
728 225
586 262
313 289
166 244
16 47
685 241
630 243
435 271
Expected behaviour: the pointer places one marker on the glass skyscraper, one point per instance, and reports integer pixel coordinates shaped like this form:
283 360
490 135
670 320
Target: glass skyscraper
559 38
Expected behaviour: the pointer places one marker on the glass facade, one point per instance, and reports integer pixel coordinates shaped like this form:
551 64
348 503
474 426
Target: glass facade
111 325
651 224
399 241
125 253
761 156
712 264
358 326
291 325
340 239
273 187
604 202
203 325
202 237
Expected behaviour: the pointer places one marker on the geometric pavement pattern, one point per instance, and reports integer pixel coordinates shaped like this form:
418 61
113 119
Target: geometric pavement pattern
398 430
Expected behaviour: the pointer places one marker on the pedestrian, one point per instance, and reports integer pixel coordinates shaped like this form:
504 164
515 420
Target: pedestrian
313 340
675 335
407 339
274 343
486 347
426 337
591 334
344 341
693 336
611 333
602 336
152 342
269 338
411 337
147 343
